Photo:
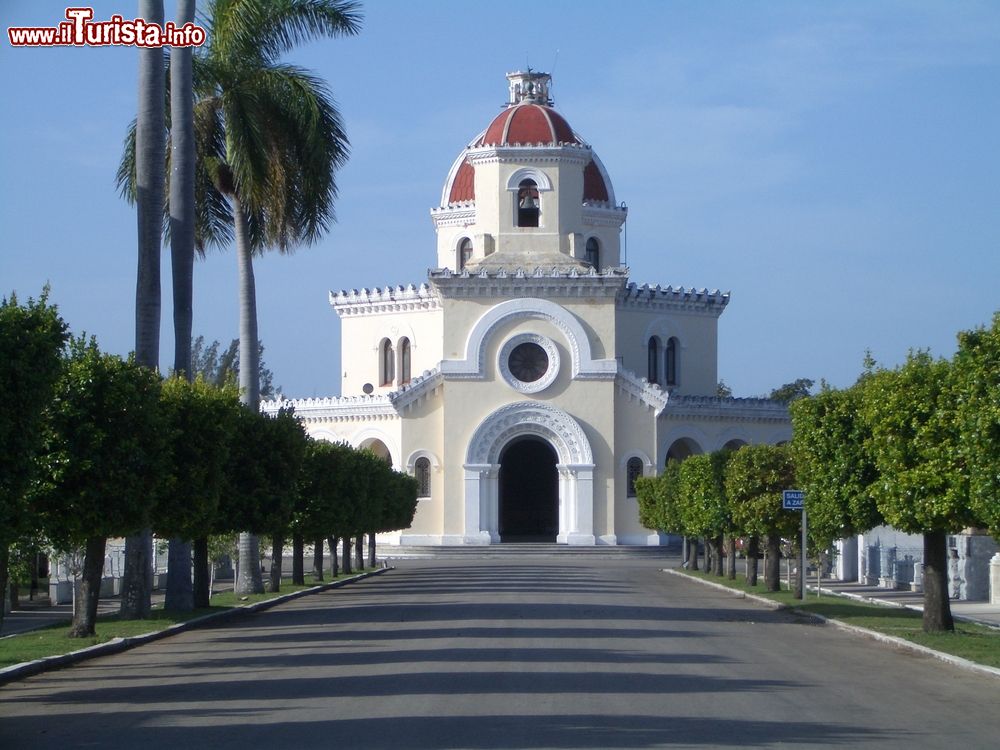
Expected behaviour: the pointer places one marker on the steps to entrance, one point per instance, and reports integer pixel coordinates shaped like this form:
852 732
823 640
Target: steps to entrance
521 549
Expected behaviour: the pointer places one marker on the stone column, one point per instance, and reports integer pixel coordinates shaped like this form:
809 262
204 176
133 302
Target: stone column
582 489
476 497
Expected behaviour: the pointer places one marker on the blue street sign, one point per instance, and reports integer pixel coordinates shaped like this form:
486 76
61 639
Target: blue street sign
793 499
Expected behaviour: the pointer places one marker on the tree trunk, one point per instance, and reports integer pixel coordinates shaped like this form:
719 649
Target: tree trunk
692 553
249 579
753 549
202 574
318 559
180 590
731 557
277 551
371 550
182 205
85 616
298 576
717 548
359 552
137 577
937 606
772 566
334 563
4 573
347 555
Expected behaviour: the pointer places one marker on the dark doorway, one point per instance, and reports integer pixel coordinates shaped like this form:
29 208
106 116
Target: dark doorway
529 492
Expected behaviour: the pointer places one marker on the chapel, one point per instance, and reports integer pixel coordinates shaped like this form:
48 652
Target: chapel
528 382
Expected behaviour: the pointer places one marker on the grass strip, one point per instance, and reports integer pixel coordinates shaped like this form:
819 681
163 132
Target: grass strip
977 643
55 641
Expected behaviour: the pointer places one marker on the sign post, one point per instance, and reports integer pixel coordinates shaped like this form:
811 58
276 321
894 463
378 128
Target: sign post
795 500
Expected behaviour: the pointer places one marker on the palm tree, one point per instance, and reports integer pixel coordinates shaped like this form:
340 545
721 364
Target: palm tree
269 140
150 139
282 140
180 592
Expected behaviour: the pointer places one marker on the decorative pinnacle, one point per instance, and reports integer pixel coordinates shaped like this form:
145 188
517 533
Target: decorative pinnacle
529 87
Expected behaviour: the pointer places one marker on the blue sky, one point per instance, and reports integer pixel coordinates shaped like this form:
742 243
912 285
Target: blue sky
835 165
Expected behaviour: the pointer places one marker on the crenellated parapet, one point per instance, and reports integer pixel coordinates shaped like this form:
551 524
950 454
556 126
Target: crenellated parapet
389 299
728 408
672 298
336 408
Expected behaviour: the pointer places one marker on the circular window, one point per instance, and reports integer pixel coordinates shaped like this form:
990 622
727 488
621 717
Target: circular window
528 362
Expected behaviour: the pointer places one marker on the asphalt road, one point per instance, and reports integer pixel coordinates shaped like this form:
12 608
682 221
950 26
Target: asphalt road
532 653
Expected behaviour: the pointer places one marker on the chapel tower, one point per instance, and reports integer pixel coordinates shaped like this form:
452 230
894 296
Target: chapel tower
528 192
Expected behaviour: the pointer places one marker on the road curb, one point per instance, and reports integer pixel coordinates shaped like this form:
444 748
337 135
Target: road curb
957 661
117 645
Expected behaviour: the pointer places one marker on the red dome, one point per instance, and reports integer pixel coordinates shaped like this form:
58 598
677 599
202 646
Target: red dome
527 124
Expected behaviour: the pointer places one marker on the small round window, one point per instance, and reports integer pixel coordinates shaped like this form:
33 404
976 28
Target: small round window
528 362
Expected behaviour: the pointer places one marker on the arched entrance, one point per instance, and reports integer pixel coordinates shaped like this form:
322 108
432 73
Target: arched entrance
561 434
379 448
528 491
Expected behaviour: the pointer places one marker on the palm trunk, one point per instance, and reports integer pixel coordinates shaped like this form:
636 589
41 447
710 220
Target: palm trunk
359 552
250 579
334 563
277 551
150 149
937 607
180 593
85 614
318 559
298 576
371 550
772 566
202 574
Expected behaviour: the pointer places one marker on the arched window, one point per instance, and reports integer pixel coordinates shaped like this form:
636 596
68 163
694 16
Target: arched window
671 368
464 253
593 253
386 364
653 360
527 204
633 470
404 361
422 473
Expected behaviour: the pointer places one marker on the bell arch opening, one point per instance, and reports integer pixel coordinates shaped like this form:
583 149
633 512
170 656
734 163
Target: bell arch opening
528 491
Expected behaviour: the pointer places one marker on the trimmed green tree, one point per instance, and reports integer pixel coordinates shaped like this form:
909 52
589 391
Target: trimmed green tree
977 386
198 418
923 483
32 337
755 478
704 507
103 463
834 464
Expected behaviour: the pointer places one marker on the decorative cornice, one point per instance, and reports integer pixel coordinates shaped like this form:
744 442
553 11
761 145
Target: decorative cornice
521 282
454 214
579 153
337 408
394 299
603 214
729 409
416 389
639 388
673 299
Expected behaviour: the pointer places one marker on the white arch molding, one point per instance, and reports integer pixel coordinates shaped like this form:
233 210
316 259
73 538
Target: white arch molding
575 467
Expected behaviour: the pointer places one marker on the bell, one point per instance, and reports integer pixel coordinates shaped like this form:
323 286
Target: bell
528 201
